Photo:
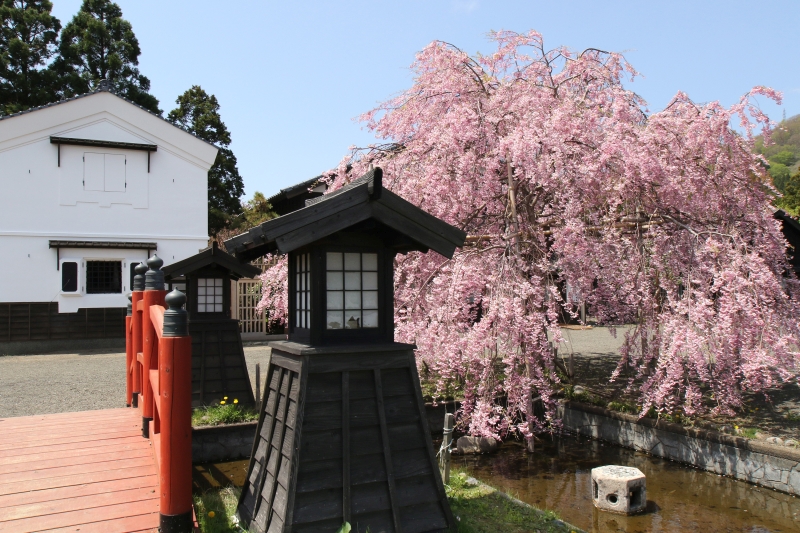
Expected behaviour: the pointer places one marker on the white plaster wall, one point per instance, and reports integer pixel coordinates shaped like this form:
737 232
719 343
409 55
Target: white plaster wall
40 201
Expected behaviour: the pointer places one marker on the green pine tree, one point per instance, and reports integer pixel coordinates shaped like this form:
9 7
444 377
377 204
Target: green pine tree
198 113
98 44
28 35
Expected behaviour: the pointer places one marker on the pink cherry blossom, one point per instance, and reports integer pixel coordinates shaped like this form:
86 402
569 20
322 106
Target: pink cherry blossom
560 174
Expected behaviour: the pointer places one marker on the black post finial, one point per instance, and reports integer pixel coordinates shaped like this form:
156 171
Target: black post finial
138 279
175 318
154 279
130 304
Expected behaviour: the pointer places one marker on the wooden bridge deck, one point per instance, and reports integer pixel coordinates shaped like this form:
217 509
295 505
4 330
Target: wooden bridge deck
80 472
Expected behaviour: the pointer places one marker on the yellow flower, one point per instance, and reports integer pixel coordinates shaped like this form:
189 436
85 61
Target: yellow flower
735 427
235 400
225 398
211 514
222 402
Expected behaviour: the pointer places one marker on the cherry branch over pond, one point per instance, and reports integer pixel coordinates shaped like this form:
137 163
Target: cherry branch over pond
560 174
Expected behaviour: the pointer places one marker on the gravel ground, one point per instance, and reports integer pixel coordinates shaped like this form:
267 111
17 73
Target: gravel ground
63 383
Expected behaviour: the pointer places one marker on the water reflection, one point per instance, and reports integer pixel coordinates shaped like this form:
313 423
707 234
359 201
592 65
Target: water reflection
557 476
207 476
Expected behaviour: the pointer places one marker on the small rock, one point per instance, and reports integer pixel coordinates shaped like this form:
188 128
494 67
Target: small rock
472 482
791 443
727 429
476 445
775 440
578 390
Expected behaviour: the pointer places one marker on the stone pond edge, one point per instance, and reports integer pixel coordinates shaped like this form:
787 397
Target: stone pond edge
763 464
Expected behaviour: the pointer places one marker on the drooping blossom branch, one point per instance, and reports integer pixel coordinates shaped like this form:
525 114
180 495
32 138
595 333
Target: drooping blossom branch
560 175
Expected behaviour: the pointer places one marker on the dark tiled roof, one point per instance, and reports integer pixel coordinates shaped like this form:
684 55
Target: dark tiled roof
363 199
103 90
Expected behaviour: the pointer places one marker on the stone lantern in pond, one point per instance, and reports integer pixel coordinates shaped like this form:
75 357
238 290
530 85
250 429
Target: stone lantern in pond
343 435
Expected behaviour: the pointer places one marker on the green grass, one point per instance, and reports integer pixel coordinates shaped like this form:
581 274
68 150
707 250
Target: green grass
476 508
215 415
482 509
748 433
216 509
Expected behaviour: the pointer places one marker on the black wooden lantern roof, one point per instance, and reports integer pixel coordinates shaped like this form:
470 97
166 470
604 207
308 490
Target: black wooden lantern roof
361 200
211 256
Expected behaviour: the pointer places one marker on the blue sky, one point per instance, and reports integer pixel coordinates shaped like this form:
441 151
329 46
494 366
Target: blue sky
292 76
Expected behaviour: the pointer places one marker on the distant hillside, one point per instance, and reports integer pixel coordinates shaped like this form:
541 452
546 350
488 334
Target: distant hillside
784 154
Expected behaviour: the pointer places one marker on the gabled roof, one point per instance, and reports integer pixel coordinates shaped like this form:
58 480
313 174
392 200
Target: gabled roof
361 200
294 197
102 88
209 256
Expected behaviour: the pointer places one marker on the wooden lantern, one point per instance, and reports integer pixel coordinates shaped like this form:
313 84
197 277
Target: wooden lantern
343 435
218 364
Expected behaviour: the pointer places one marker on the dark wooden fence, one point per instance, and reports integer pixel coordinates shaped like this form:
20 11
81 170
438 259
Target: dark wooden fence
42 321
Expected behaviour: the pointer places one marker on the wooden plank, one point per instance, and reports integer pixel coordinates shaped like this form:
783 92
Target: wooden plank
133 524
371 497
355 362
65 447
423 422
368 469
316 506
345 422
299 394
323 227
78 503
404 208
412 229
77 479
75 491
67 454
283 375
249 489
271 230
387 454
95 428
423 518
285 361
79 517
57 472
37 419
55 439
76 460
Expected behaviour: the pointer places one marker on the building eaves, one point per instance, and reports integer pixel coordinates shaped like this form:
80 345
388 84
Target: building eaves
103 90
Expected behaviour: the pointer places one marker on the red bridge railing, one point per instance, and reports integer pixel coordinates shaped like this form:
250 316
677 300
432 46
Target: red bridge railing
159 383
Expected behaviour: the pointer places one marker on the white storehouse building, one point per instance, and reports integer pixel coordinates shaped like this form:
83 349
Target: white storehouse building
90 187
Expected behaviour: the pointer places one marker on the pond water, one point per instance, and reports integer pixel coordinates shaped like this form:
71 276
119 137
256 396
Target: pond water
558 477
680 499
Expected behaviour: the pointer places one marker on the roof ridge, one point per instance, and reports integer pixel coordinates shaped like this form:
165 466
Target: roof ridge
103 89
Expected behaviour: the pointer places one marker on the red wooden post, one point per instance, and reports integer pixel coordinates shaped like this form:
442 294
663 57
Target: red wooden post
136 330
175 382
154 294
129 359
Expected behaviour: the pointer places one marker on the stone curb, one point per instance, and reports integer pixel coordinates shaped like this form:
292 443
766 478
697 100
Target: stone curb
783 452
227 442
775 467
